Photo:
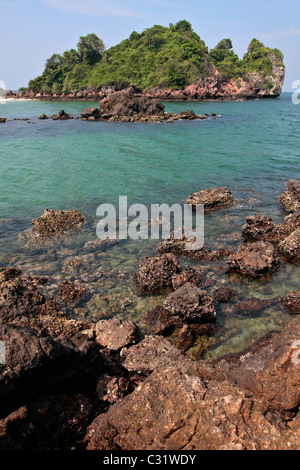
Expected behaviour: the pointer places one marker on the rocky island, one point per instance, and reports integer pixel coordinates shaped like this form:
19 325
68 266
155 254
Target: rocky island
165 63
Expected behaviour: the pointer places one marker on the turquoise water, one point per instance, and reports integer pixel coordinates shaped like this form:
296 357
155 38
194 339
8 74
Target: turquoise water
252 147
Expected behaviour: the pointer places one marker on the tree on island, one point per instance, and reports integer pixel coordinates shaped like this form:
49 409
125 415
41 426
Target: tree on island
90 48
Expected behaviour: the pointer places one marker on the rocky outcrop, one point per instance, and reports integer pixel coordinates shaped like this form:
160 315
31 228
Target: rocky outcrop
155 274
181 247
290 247
244 401
290 199
57 222
254 260
213 199
3 120
190 274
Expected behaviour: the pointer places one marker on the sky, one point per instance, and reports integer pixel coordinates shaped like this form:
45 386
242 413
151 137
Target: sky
32 30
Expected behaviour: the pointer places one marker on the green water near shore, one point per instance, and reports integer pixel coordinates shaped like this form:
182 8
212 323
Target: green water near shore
252 147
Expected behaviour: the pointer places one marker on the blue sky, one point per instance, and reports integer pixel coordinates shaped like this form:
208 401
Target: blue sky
32 30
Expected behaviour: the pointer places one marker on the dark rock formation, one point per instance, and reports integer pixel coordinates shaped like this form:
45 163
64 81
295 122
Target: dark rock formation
155 274
260 227
254 260
224 294
57 222
72 293
127 106
180 247
192 304
91 114
189 274
255 306
3 120
213 199
61 116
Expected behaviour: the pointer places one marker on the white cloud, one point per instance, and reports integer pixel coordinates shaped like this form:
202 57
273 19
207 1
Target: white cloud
288 33
97 8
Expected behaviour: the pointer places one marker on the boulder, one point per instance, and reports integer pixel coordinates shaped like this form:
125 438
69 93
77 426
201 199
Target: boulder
189 274
155 274
175 410
259 227
290 246
2 120
191 304
116 334
254 260
213 199
57 222
290 199
91 113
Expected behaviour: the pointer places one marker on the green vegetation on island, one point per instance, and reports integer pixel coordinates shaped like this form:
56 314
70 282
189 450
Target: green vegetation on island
173 56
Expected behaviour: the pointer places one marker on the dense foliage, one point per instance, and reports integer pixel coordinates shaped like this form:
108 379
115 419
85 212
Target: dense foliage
173 56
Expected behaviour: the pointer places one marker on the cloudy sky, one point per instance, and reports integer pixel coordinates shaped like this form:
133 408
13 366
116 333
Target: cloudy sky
32 30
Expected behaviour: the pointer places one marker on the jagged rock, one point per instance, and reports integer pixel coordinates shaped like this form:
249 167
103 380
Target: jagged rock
290 199
127 105
180 247
154 352
43 117
192 304
155 274
160 321
189 274
290 246
62 116
254 260
72 293
57 222
270 369
260 227
173 409
292 302
213 199
3 120
115 334
91 114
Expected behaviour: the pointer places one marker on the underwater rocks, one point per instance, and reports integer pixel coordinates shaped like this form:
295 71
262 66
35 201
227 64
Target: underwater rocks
290 199
191 304
72 293
260 227
57 222
189 274
179 247
224 294
213 199
254 260
155 274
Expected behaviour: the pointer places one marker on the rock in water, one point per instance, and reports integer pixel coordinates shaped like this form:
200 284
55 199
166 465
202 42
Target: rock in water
290 199
194 305
57 222
254 259
155 274
213 199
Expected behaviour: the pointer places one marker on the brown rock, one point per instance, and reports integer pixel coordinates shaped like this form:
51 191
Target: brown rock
290 199
174 410
224 294
259 227
292 302
155 274
254 260
192 304
115 334
189 274
290 246
57 222
90 112
213 199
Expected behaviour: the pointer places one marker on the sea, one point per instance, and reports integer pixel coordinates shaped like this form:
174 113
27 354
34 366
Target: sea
252 147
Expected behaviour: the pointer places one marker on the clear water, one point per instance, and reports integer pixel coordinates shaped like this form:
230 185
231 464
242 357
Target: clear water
252 147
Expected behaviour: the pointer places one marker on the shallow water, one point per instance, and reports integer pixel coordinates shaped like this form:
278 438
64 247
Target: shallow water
252 147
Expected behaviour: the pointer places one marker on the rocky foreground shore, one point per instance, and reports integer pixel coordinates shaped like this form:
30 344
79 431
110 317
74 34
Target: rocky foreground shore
69 384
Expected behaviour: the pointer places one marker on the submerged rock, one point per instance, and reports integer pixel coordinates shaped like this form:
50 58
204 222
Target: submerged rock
155 274
292 302
260 227
290 199
254 260
180 247
57 222
189 274
213 199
